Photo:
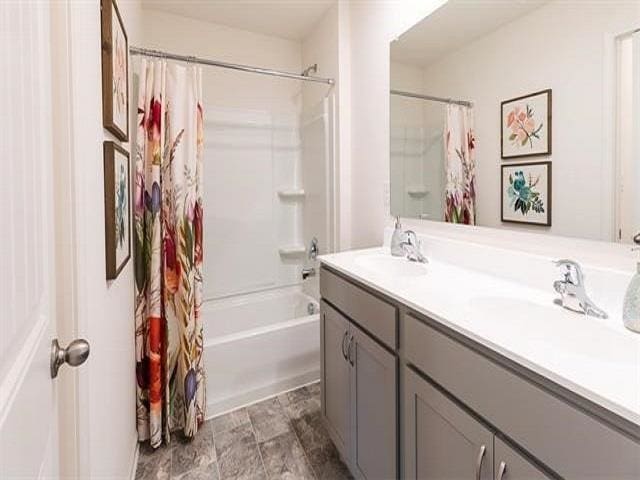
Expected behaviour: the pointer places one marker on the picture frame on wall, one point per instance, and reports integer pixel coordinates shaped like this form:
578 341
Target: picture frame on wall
117 208
115 71
525 195
525 126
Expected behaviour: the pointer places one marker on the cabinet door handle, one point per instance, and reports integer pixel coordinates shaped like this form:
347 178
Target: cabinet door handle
349 350
501 470
344 339
479 461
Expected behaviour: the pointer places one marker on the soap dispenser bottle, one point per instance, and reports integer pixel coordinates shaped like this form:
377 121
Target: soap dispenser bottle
396 240
631 307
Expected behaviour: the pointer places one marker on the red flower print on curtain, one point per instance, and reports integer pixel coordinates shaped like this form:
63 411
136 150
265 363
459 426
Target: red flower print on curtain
170 377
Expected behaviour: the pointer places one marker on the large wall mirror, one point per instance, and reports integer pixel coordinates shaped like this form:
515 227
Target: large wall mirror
522 115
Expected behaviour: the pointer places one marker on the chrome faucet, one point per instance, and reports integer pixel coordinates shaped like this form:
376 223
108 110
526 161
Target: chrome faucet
572 290
412 247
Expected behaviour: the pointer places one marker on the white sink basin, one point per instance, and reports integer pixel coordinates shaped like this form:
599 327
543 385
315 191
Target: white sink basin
391 266
555 332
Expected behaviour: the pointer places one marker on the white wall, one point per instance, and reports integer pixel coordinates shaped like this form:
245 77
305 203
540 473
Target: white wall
229 88
101 311
558 46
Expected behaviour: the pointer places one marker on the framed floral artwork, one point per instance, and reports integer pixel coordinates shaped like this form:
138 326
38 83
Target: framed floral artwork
525 125
117 197
115 71
526 193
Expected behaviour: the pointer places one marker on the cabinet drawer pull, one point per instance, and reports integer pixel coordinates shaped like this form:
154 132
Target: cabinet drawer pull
349 350
479 461
344 339
501 470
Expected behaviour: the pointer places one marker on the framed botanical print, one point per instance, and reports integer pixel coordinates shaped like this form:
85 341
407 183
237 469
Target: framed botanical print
526 193
115 71
525 126
117 197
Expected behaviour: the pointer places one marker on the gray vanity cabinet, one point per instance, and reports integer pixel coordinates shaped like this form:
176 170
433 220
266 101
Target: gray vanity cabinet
359 375
465 411
335 373
373 408
442 441
510 465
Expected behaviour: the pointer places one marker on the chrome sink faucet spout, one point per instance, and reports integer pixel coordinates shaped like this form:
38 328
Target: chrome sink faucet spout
572 290
412 247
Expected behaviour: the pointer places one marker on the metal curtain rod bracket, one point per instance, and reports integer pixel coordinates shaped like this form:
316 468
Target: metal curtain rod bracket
233 66
465 103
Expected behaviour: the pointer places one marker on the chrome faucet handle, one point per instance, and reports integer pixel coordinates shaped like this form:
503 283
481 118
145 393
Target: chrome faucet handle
636 238
413 249
411 234
573 273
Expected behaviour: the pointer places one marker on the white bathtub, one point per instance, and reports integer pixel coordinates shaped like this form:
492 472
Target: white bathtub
257 345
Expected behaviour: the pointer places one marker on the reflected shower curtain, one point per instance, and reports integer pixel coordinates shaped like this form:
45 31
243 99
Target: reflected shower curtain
459 144
170 393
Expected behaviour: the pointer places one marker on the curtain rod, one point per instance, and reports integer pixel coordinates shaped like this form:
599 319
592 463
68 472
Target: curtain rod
233 66
431 97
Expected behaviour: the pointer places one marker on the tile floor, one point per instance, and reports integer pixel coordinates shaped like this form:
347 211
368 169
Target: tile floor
280 437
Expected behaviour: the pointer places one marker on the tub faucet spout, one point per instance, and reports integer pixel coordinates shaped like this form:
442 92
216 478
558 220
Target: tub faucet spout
308 272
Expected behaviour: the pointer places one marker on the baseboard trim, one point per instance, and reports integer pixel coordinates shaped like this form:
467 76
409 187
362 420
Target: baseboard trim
134 458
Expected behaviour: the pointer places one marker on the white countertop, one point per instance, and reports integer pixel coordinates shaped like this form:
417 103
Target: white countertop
597 359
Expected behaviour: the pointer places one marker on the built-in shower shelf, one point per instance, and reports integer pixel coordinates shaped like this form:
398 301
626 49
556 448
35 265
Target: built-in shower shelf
292 250
417 191
291 193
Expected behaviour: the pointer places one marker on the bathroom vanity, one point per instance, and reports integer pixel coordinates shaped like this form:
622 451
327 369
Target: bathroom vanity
426 375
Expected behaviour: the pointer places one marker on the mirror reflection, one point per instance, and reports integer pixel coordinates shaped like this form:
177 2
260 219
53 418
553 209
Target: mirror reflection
520 115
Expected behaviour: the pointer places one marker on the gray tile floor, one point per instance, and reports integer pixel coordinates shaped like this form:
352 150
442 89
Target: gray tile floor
280 437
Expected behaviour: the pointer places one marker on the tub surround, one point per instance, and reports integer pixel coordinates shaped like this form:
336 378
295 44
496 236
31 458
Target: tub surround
471 352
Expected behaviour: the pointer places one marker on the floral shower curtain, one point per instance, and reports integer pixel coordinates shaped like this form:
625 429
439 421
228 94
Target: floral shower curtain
459 141
168 251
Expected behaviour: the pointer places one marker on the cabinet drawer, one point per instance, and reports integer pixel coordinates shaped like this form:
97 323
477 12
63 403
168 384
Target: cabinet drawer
373 314
568 440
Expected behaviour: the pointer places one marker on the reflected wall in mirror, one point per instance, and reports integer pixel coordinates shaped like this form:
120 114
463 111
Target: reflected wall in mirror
450 75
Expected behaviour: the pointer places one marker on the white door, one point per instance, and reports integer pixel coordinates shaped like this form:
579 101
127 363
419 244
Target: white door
28 409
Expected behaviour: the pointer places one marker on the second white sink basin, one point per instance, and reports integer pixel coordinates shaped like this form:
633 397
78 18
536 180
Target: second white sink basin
553 331
388 265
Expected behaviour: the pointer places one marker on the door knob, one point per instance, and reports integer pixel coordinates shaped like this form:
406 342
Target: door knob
75 354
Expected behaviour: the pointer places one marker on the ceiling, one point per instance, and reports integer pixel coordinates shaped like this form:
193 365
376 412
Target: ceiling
291 19
453 25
